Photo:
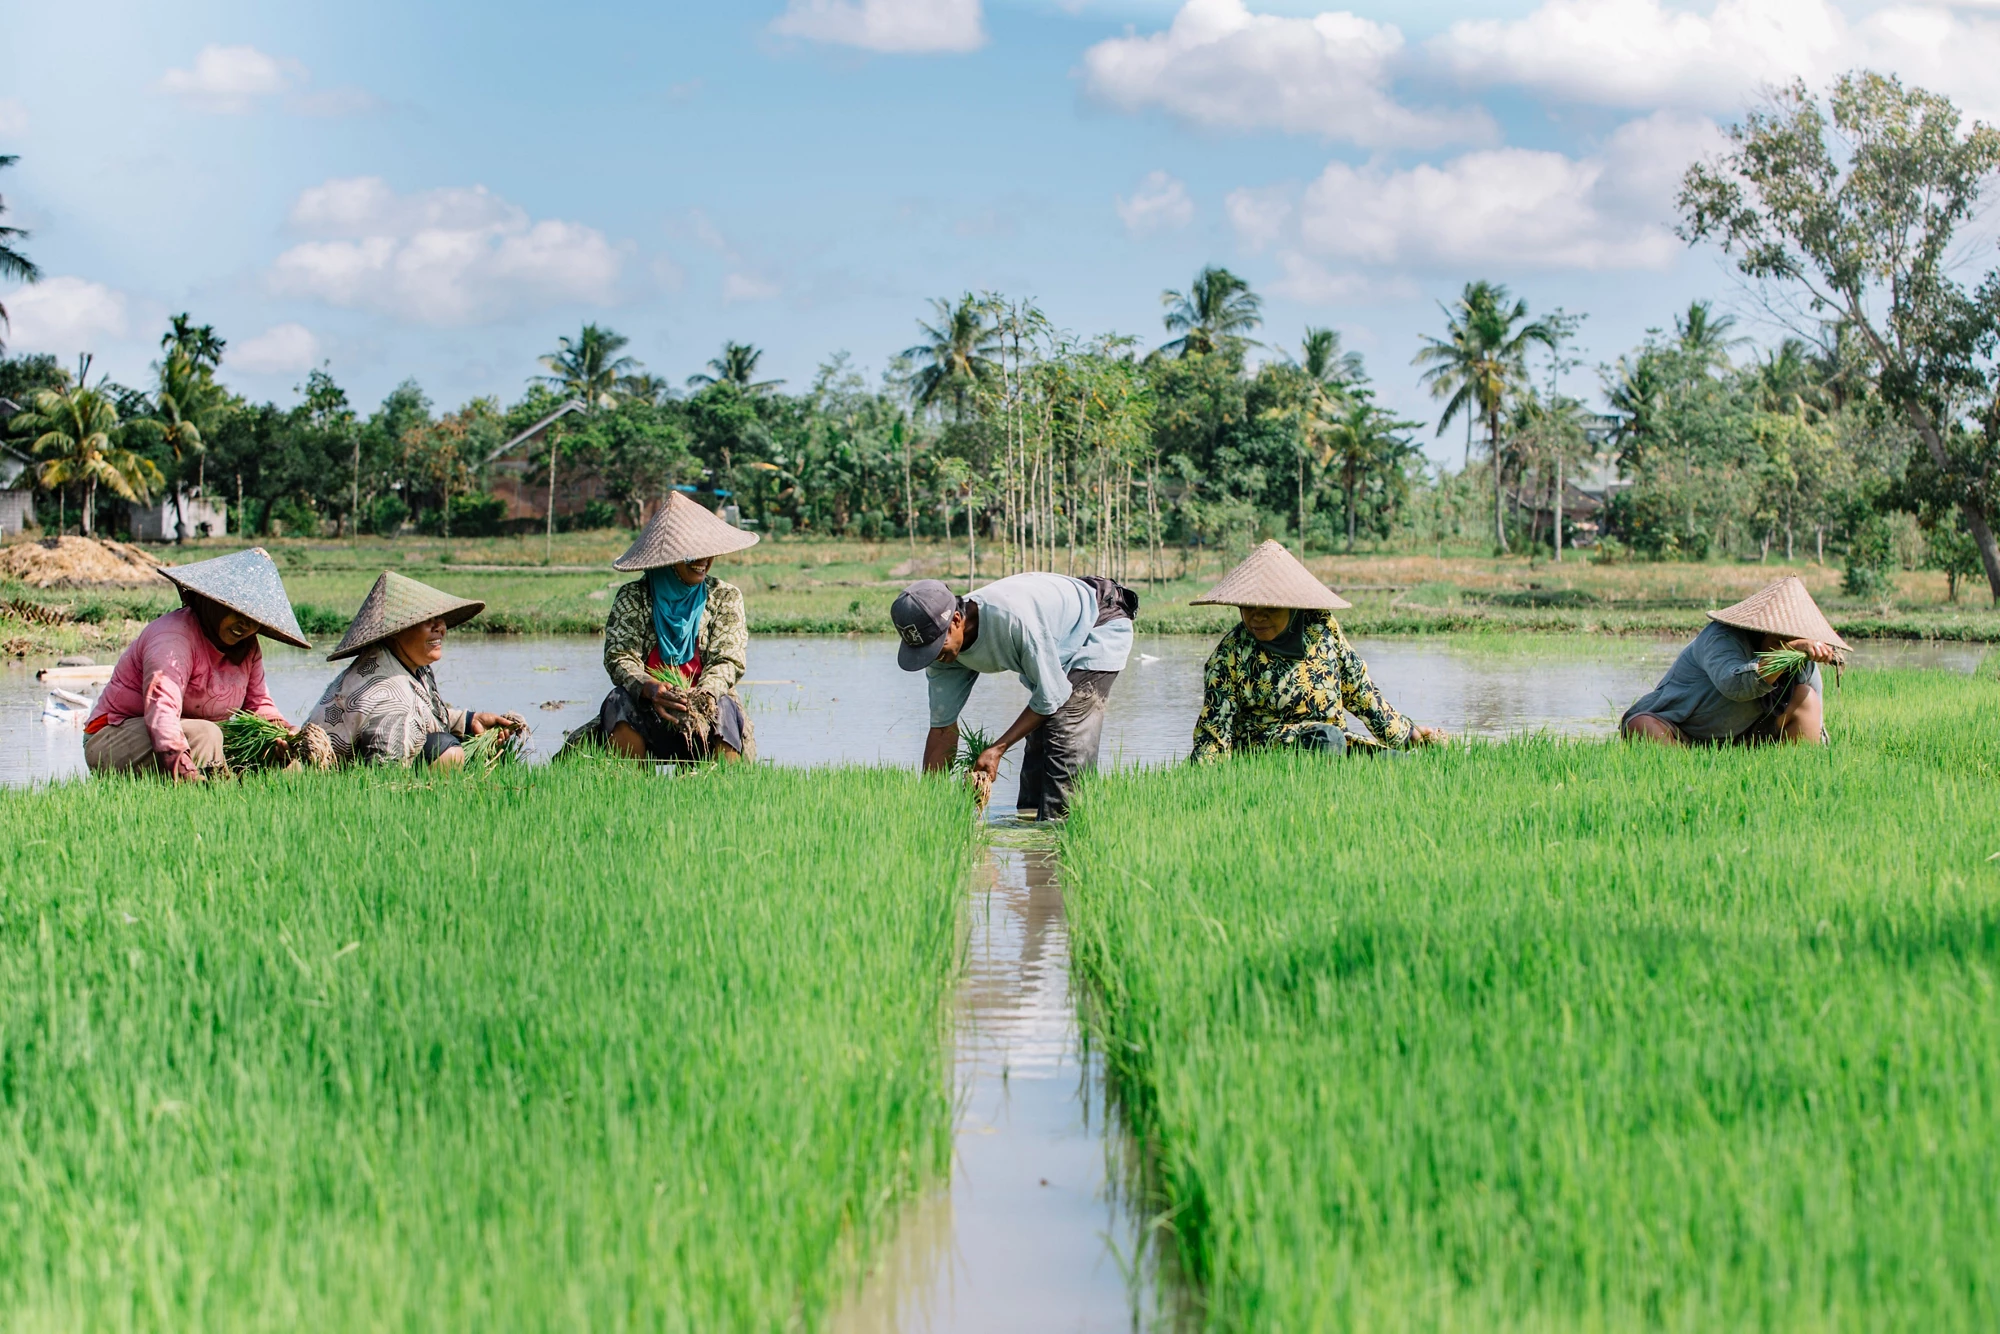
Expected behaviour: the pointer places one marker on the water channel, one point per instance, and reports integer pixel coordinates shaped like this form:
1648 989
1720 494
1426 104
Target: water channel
1030 1232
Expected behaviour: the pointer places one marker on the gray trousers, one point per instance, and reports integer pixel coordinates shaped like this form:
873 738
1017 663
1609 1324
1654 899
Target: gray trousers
1064 746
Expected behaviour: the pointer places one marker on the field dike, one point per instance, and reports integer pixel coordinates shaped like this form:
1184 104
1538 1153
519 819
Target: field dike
569 1047
1035 1229
1558 1035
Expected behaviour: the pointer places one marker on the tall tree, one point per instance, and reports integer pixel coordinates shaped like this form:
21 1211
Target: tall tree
76 430
196 342
1854 205
737 366
959 356
1705 337
13 264
1218 311
184 406
1326 362
588 369
1481 360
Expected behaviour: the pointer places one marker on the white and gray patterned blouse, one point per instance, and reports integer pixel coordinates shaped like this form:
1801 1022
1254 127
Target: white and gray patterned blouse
379 711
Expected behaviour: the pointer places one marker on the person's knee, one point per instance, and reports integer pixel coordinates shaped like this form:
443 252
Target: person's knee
204 740
1646 727
625 739
1805 716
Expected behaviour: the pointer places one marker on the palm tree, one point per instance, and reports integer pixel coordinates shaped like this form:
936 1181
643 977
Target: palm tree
588 367
1787 383
959 355
1325 362
1362 439
185 404
738 366
645 387
196 342
1481 360
13 264
1218 311
1706 337
77 428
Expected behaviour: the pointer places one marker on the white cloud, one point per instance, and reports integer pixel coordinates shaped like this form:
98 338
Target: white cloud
1259 215
748 287
440 257
1220 65
1638 53
13 116
230 79
899 27
282 349
65 316
1161 202
1510 207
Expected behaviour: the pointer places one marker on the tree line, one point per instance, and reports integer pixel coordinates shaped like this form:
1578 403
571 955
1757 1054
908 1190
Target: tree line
1867 435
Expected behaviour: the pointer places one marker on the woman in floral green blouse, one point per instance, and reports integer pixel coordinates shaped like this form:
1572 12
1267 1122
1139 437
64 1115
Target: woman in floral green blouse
1287 675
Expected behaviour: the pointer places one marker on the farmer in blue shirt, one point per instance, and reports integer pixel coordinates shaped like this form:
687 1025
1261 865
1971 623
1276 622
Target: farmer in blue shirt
1065 638
1721 692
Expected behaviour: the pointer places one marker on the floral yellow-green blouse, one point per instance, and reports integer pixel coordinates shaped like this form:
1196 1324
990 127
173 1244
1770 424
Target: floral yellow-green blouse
1252 696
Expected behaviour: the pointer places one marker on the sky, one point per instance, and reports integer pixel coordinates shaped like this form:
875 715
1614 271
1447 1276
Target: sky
440 191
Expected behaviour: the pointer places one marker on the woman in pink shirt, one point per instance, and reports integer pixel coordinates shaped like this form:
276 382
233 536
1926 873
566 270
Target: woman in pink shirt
192 668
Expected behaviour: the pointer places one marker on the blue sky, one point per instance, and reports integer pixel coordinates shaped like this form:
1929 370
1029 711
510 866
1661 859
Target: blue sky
440 190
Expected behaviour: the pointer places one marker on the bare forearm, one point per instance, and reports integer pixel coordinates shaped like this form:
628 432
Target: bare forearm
940 745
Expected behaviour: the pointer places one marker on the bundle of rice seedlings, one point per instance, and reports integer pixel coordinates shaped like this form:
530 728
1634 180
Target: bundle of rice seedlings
249 742
697 720
1780 664
971 742
492 748
313 748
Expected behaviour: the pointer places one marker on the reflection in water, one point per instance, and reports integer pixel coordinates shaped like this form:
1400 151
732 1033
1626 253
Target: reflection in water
1023 1237
841 699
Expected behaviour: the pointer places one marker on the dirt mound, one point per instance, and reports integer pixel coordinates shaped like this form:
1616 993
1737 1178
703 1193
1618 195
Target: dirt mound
78 562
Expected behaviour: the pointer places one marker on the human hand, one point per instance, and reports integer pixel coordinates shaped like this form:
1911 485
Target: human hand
987 767
1428 736
670 704
183 769
1816 650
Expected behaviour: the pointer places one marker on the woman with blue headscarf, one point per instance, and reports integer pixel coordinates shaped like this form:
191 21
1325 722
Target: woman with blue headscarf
675 644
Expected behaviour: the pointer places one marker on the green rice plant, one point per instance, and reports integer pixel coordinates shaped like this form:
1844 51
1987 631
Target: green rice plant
1777 663
389 1050
972 742
1555 1035
492 748
249 742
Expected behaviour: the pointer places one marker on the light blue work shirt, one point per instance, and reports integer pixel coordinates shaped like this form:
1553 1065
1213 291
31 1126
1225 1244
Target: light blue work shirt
1041 627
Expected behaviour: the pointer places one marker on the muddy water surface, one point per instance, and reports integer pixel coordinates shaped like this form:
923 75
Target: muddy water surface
830 699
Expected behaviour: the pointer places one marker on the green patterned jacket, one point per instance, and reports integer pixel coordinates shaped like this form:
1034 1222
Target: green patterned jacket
1252 697
723 639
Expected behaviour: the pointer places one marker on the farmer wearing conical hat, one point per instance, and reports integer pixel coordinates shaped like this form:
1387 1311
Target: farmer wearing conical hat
1066 638
1721 690
385 707
191 669
676 643
1286 675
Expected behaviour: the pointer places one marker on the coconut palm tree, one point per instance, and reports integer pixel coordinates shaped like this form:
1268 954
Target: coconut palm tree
1361 439
1325 362
185 404
1219 311
196 342
1481 360
76 428
1705 337
588 367
13 264
738 366
960 353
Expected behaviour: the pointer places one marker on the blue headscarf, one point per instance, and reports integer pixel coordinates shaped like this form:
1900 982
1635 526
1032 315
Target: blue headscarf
677 609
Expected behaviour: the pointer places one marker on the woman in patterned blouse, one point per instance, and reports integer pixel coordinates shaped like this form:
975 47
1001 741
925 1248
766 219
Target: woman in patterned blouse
1286 675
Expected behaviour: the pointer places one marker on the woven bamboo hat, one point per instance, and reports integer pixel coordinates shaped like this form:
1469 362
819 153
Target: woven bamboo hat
246 582
1273 577
1783 608
396 603
682 530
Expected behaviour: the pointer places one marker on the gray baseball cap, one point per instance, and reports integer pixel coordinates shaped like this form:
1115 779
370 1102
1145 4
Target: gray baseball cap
922 614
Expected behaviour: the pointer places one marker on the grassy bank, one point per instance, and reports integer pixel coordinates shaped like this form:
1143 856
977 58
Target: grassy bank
573 1048
1569 1036
803 586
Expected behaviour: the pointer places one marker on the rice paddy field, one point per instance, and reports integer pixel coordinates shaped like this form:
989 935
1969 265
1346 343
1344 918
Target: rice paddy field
1551 1035
558 1047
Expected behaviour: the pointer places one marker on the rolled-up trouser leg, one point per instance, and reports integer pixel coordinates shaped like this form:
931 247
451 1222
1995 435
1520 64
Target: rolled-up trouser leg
435 746
128 747
1064 746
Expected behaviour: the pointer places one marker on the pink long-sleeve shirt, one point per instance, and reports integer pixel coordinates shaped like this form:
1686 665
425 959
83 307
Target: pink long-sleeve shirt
172 671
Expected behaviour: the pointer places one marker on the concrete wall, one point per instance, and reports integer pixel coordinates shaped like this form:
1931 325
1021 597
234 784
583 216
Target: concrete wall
17 511
156 522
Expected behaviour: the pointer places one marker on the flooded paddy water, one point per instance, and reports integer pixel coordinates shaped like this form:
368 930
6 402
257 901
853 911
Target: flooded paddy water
1030 1231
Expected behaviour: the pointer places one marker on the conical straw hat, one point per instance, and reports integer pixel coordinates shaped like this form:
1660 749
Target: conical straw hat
1783 608
246 582
682 530
396 603
1273 577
